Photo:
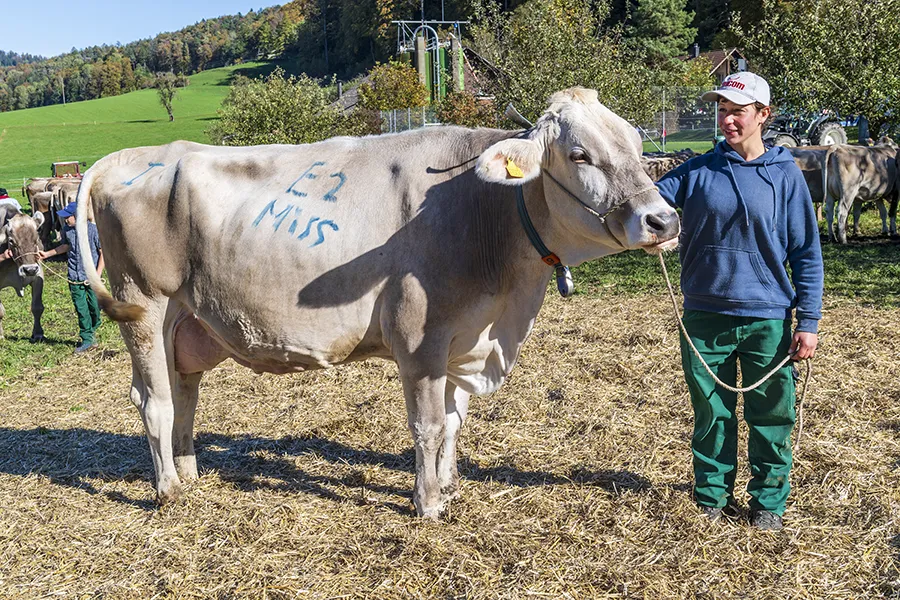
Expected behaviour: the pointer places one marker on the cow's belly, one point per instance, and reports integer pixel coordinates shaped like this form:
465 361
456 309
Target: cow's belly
202 342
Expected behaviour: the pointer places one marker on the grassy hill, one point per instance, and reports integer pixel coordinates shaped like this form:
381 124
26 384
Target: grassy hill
32 139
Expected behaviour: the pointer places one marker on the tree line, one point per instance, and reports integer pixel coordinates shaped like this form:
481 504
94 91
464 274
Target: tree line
100 71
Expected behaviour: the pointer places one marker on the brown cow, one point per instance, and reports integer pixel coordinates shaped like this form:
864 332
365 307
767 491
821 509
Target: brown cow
19 234
658 165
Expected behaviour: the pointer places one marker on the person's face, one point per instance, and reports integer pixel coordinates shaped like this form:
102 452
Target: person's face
70 220
740 123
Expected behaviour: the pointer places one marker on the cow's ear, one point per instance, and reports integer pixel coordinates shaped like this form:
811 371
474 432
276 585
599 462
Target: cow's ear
510 162
4 234
38 218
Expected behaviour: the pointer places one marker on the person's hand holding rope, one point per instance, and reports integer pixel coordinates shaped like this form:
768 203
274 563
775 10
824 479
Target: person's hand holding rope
804 345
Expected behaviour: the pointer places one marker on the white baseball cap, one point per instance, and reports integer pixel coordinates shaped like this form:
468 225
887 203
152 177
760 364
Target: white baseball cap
741 88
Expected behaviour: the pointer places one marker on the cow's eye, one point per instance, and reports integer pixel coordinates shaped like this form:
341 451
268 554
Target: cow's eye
577 155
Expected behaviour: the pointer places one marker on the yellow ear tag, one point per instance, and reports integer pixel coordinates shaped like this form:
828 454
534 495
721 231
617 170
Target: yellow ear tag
513 169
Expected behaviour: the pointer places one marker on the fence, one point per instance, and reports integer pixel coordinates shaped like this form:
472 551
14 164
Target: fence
681 119
403 119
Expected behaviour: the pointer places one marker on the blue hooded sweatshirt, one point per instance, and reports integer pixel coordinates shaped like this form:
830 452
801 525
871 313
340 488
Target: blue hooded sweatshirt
743 223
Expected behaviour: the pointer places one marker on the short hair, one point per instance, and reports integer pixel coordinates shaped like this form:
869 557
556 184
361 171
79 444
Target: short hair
3 191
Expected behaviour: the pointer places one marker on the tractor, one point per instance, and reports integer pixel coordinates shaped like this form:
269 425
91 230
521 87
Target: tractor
794 130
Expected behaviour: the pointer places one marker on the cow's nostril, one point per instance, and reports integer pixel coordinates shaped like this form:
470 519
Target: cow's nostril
654 222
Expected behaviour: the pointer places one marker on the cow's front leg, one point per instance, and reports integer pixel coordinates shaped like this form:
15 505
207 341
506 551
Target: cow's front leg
2 314
857 213
456 405
37 308
426 419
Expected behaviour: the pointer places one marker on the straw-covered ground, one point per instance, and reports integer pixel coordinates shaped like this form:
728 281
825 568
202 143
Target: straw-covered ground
576 479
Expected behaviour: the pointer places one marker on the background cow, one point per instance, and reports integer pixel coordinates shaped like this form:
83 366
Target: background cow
657 165
19 234
407 247
855 174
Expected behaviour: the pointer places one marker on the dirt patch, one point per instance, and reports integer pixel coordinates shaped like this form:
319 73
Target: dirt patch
576 479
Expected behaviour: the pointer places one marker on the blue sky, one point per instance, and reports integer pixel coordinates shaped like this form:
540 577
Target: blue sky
53 27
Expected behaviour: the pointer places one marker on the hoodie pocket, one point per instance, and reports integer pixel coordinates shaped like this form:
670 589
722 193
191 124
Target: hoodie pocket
728 274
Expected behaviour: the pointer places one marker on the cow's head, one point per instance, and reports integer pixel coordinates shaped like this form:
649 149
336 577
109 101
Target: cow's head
581 148
19 233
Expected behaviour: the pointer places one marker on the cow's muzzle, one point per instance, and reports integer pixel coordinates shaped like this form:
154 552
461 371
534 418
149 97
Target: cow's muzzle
29 270
664 225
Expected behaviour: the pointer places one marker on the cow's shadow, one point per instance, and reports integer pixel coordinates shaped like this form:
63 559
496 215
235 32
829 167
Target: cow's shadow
86 459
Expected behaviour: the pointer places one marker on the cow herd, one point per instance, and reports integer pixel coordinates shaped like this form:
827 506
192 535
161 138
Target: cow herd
839 177
48 195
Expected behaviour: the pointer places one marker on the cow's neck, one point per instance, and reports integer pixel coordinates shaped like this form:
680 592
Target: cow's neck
570 246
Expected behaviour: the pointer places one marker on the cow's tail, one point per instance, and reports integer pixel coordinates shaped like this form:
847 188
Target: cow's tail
828 154
117 311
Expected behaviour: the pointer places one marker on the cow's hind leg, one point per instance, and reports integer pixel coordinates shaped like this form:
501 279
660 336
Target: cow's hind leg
456 405
857 213
151 393
842 217
895 196
829 217
883 213
2 314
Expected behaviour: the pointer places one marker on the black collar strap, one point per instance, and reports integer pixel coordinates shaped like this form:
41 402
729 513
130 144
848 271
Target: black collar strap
564 282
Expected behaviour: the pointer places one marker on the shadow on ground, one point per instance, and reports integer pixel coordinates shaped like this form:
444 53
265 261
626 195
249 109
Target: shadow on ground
82 458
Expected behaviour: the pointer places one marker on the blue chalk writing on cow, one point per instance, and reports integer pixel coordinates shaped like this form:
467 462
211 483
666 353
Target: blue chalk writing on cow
293 226
150 166
270 210
279 216
330 195
321 235
307 174
308 227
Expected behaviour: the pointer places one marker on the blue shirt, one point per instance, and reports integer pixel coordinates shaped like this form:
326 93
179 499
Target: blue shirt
76 269
743 223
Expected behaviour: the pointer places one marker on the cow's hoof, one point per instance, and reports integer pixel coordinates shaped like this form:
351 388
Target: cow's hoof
37 339
169 495
448 493
186 467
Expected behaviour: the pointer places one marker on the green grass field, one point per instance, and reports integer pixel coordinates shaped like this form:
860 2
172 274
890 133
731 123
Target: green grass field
30 140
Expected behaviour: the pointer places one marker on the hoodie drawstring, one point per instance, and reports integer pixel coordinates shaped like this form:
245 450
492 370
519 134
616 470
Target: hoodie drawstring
771 181
739 195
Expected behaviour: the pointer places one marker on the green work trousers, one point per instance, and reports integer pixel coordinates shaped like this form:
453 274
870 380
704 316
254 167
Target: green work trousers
87 309
759 345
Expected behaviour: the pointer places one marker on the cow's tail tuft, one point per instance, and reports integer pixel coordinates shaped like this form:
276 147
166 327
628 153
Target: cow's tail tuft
117 310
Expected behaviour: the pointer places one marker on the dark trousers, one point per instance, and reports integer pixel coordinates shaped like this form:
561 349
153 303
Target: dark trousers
759 345
87 309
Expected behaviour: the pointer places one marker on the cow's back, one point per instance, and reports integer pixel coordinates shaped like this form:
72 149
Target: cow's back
292 251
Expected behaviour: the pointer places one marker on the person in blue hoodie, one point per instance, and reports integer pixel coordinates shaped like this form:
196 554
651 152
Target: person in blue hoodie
750 263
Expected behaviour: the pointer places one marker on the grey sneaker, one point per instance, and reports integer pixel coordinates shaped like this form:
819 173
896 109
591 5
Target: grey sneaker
84 347
766 520
711 512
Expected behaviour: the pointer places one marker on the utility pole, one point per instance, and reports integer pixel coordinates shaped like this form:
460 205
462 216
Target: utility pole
62 82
